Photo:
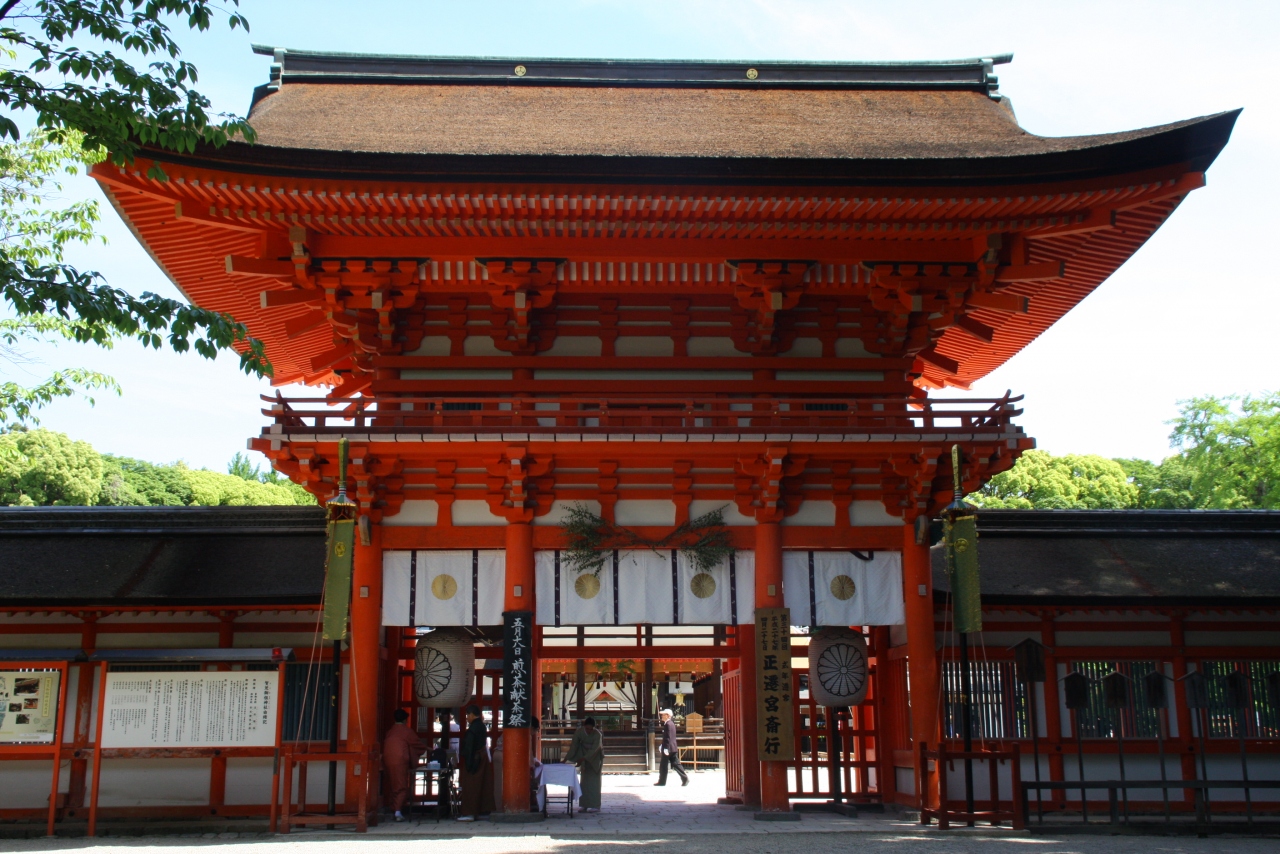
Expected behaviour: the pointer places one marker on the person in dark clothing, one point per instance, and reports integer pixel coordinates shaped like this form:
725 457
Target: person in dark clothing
670 751
476 771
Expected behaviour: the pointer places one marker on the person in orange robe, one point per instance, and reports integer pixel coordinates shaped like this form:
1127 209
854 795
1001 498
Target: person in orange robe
401 748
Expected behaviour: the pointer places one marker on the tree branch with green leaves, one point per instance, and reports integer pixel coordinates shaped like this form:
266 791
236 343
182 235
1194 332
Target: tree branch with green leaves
704 541
88 105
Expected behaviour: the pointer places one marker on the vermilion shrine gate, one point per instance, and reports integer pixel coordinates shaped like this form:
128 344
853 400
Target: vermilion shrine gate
652 289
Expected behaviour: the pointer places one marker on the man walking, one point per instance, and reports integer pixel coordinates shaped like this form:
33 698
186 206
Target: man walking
670 751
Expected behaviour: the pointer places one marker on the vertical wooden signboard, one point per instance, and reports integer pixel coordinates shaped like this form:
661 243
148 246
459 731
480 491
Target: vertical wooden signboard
517 666
775 731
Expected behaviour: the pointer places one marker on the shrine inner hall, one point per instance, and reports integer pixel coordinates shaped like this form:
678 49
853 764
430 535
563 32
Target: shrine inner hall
661 302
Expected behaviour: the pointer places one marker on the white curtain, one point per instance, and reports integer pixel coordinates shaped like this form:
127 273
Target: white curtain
443 588
845 588
643 586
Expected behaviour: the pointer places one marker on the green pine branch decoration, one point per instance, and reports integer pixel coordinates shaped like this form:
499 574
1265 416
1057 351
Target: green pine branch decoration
704 541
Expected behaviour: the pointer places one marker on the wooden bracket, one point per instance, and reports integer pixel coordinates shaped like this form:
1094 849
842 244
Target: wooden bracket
519 287
766 288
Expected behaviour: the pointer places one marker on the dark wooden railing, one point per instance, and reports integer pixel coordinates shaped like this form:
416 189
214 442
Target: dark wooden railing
596 415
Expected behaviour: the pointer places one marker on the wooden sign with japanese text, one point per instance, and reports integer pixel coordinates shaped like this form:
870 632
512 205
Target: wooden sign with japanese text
517 669
775 730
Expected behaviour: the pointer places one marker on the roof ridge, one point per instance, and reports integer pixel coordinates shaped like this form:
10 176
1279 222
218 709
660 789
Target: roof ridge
974 73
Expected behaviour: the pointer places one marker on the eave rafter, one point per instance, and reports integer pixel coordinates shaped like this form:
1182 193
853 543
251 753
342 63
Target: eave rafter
391 243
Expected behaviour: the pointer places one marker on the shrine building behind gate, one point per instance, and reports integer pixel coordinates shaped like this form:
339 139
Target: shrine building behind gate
651 290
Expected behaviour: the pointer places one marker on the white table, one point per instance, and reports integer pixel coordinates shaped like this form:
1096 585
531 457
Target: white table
557 774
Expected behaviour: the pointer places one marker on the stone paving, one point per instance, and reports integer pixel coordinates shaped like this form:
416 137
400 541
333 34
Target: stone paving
639 818
631 804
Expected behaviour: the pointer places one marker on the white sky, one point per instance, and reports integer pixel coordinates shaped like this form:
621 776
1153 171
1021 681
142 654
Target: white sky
1193 313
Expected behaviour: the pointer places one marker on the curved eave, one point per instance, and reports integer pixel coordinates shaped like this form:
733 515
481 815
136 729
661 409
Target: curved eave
192 253
1194 144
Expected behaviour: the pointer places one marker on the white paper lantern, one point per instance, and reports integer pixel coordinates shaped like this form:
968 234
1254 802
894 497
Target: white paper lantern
838 673
444 669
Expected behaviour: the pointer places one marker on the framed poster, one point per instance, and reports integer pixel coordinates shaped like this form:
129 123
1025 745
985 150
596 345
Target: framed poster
29 706
191 709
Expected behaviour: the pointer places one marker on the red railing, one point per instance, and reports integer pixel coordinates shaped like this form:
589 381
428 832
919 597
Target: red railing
706 415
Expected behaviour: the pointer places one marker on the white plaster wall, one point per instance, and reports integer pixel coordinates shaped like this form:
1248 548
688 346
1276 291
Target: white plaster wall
249 780
151 640
432 345
645 512
559 511
809 348
864 514
415 512
455 374
480 345
574 345
904 779
61 640
830 376
732 516
472 512
289 640
154 782
644 345
1108 639
814 513
714 346
1246 639
851 348
24 784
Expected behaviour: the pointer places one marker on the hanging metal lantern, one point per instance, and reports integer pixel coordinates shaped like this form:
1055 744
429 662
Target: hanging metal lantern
838 667
444 669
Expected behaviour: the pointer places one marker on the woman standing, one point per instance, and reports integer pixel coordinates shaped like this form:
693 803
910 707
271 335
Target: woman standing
587 750
476 772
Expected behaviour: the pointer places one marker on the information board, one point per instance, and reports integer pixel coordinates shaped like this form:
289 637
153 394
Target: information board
28 706
775 734
191 709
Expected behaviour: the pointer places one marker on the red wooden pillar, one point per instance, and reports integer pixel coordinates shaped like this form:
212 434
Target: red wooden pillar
516 743
922 658
365 656
773 775
748 719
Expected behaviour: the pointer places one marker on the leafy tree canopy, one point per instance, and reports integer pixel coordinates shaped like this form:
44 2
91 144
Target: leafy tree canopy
41 467
1231 447
1227 458
1073 482
86 104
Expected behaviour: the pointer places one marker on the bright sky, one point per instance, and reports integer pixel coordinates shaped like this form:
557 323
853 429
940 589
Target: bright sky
1193 313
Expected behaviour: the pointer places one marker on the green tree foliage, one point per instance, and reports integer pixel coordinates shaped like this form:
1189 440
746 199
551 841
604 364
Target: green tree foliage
1231 447
40 467
35 231
87 104
1228 458
1042 481
128 482
1161 486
